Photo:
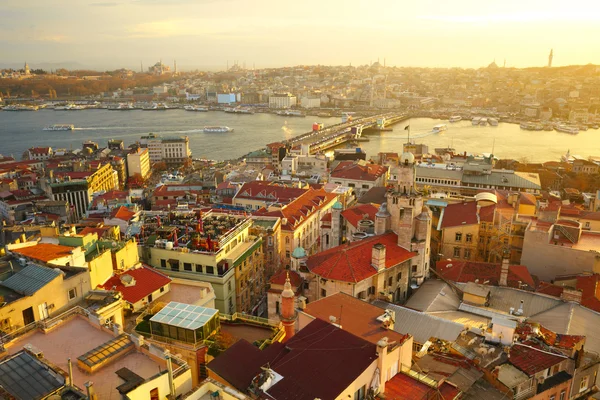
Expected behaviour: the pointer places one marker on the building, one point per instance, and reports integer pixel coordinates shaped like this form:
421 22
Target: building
343 367
361 176
226 98
282 100
562 247
138 163
78 188
310 102
172 195
40 153
585 167
579 116
216 248
459 228
258 194
300 221
139 286
171 150
372 268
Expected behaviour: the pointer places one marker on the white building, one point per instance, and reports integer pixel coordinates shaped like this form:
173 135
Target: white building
310 102
138 163
282 100
172 150
226 98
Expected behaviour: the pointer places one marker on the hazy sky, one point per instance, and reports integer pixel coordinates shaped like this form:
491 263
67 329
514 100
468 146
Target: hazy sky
207 33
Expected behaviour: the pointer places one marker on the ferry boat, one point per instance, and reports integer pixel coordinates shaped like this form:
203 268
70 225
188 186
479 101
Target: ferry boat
347 117
156 107
196 108
20 107
475 120
217 129
440 128
493 121
59 127
69 107
292 113
238 110
531 126
455 118
483 121
573 130
121 107
583 127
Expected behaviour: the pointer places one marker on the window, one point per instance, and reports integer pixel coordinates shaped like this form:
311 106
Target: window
187 266
399 277
365 186
467 253
162 289
72 294
210 270
562 394
360 393
163 263
154 394
583 385
457 252
553 397
323 293
198 268
458 237
469 238
390 280
287 254
414 269
277 307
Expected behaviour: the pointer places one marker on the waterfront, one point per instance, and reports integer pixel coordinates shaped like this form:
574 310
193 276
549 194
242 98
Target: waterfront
22 130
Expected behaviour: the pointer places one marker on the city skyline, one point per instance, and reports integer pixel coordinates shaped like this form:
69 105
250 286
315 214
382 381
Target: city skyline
209 34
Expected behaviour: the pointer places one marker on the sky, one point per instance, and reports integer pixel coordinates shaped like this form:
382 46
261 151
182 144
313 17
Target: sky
208 34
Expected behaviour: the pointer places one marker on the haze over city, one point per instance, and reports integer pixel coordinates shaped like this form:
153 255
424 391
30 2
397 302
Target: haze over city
207 34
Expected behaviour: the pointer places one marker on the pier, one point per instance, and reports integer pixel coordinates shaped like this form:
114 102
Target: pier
336 135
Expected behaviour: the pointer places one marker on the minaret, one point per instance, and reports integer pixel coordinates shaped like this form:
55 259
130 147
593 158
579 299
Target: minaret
288 313
174 67
550 57
141 67
26 69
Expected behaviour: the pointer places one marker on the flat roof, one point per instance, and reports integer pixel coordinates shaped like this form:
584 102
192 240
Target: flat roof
184 315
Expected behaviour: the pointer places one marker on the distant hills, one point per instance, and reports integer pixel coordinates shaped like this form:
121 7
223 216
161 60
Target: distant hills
70 65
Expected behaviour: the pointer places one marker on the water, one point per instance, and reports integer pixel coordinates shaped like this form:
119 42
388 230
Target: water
22 130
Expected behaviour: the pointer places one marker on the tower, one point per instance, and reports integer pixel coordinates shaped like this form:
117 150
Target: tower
288 311
174 67
336 220
410 217
26 69
550 57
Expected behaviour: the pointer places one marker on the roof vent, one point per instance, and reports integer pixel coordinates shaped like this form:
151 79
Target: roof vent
127 280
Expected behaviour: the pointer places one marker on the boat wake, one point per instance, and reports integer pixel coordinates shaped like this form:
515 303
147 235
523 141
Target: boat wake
422 135
105 128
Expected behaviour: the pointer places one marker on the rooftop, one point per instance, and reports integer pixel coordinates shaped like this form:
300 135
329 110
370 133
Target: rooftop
30 279
471 271
403 387
44 252
358 171
260 190
75 337
531 360
351 262
143 281
184 315
459 214
357 213
358 318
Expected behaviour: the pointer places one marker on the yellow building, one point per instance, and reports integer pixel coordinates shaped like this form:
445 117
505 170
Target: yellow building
459 227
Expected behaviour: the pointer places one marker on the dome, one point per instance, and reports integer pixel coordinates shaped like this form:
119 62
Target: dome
287 288
407 158
383 211
299 252
337 205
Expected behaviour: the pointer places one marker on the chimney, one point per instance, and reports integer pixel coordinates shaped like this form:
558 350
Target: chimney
378 257
571 295
91 393
382 350
504 273
172 392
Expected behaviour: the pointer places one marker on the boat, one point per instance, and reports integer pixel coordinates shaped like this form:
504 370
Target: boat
475 120
346 117
217 129
573 130
493 121
69 107
531 126
195 108
583 127
548 128
440 128
156 107
20 107
121 107
483 121
238 110
59 127
444 150
595 126
455 118
291 113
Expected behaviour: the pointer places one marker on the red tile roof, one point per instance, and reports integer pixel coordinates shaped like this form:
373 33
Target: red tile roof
74 174
40 150
122 213
351 262
354 214
100 231
45 252
359 317
531 360
403 387
527 199
280 277
270 192
358 172
460 214
468 271
549 289
486 214
301 208
147 281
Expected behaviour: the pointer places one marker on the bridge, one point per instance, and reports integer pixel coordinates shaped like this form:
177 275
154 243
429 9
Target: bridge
341 133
